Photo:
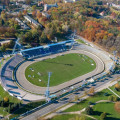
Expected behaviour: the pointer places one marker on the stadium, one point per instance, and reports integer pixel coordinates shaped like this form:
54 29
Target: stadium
71 65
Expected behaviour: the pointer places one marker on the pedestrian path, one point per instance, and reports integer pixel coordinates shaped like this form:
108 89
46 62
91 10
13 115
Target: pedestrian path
114 92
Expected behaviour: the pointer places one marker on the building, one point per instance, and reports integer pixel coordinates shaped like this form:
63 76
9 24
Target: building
102 13
116 6
47 7
69 1
32 21
45 14
22 24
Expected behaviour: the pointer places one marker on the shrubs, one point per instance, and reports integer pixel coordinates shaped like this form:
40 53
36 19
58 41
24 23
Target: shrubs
10 107
113 98
89 110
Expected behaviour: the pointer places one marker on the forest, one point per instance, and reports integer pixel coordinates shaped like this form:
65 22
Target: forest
82 16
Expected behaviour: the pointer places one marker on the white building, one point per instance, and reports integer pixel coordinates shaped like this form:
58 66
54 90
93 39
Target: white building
116 6
32 21
23 25
47 7
45 14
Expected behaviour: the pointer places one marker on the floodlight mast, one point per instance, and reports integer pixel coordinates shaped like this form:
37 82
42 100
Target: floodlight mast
114 58
16 43
47 94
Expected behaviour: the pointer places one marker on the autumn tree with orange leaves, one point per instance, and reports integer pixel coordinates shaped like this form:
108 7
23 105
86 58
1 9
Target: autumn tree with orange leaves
117 106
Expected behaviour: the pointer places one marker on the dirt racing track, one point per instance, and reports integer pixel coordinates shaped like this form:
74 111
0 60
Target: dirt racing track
14 81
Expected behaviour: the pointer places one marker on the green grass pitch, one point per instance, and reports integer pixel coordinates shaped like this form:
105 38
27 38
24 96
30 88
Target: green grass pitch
63 68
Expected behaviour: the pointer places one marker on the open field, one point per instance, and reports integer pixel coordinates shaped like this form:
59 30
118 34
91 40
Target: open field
63 68
108 108
92 99
67 117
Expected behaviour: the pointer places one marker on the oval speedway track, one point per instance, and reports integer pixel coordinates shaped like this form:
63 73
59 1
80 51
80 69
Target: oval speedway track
27 86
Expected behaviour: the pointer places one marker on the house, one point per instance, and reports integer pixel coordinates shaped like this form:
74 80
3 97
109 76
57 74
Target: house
32 21
22 24
47 7
102 13
45 14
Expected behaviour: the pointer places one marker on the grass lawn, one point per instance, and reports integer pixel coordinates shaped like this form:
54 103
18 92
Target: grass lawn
93 99
63 68
108 108
26 108
11 99
67 117
80 41
113 88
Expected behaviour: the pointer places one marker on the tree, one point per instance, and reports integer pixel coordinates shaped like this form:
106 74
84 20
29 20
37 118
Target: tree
110 98
76 98
117 86
89 110
117 106
28 2
3 15
6 99
34 13
115 98
20 14
2 48
39 14
91 91
33 7
82 117
24 12
103 116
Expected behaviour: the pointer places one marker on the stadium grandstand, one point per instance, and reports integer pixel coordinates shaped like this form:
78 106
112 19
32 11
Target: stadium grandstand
47 49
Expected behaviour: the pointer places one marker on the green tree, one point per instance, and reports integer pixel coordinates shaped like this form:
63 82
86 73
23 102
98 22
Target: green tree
115 98
2 48
89 110
110 98
103 116
82 117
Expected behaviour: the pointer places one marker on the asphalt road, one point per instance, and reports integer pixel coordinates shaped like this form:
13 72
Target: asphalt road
67 99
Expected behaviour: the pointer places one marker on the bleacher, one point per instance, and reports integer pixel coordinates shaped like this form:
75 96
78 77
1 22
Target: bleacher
46 50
